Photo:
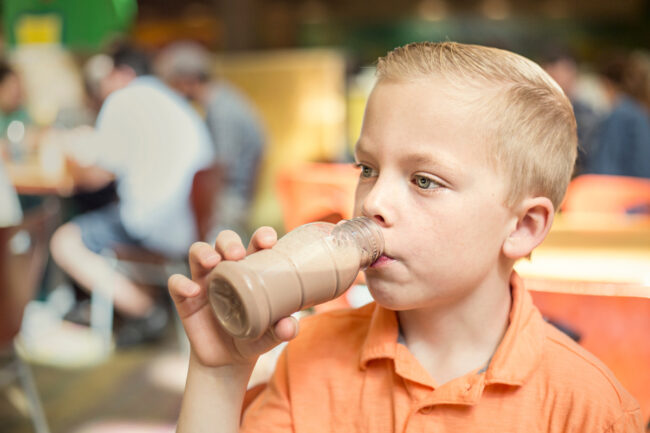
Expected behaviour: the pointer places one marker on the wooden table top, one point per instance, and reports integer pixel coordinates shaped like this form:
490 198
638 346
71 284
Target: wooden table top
33 177
607 255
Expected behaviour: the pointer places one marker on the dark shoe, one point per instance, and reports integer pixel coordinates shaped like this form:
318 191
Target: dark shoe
147 329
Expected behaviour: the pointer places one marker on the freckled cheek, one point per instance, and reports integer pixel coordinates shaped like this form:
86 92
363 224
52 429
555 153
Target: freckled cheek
426 243
443 243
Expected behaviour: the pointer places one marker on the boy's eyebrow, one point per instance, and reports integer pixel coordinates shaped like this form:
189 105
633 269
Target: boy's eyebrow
358 148
428 158
424 158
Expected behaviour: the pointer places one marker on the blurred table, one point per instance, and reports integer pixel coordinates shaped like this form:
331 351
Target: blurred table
38 176
591 254
29 178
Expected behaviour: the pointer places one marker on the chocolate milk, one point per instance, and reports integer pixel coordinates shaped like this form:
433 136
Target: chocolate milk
310 265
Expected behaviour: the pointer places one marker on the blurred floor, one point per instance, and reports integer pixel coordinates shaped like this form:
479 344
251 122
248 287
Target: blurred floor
136 390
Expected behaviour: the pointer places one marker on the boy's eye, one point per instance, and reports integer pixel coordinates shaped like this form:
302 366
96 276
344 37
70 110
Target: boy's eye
365 170
425 182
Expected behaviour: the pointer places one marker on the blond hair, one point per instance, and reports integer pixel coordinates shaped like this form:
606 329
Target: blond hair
532 133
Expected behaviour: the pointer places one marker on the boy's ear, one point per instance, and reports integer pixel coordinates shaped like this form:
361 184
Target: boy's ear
534 221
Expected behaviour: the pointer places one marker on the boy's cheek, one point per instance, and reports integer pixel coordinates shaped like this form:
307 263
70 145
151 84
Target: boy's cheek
356 212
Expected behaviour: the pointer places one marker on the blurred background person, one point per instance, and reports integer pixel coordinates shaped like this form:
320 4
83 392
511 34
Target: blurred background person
11 98
562 66
152 143
637 80
622 142
88 197
11 108
234 125
94 71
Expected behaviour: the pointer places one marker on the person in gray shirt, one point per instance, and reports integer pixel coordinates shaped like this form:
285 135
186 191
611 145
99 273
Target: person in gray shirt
235 128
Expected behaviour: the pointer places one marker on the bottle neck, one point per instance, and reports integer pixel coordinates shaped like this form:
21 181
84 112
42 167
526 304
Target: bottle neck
367 235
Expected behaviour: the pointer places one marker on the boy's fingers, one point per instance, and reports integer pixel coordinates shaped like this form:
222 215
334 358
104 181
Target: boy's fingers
181 287
264 237
284 330
202 259
230 246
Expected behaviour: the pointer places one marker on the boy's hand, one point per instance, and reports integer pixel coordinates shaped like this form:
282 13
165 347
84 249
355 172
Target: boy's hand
210 344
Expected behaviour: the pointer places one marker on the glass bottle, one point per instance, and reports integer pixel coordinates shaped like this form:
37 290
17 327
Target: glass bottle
310 265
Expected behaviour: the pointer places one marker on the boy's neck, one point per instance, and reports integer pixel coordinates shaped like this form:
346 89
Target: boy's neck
453 340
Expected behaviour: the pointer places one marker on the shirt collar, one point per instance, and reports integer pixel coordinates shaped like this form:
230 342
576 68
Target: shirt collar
520 352
381 340
515 359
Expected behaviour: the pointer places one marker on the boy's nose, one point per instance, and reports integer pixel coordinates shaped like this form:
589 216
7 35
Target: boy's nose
376 205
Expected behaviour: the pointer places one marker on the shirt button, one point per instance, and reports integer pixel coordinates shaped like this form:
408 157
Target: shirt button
426 410
468 387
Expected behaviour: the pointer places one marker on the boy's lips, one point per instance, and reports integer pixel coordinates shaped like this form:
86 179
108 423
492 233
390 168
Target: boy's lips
383 260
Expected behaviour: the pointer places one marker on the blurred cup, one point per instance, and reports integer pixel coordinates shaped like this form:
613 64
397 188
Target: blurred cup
16 137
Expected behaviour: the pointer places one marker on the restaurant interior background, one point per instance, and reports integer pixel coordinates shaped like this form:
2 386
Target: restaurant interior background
307 67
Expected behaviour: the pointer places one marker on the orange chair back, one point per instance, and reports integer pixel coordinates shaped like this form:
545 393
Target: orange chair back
316 192
606 194
614 328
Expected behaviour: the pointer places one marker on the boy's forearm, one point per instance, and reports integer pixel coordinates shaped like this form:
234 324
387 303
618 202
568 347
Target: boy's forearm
213 398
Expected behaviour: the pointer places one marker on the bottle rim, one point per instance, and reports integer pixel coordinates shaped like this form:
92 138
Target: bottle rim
373 233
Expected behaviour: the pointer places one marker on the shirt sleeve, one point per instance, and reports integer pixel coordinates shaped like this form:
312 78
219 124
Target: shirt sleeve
116 132
271 410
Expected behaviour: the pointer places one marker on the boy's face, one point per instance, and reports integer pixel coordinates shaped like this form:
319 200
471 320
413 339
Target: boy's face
425 178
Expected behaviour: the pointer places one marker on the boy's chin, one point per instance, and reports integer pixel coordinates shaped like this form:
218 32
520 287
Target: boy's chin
386 296
397 296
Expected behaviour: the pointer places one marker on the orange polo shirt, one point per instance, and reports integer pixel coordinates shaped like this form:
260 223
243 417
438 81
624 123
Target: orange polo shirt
347 372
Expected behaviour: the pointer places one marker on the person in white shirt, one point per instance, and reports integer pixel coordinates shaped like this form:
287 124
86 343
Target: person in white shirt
151 141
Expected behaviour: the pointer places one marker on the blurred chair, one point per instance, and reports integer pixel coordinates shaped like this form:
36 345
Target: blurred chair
151 268
23 256
614 328
313 191
607 194
316 192
206 187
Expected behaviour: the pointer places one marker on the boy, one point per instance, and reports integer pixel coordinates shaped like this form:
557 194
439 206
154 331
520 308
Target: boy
465 152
